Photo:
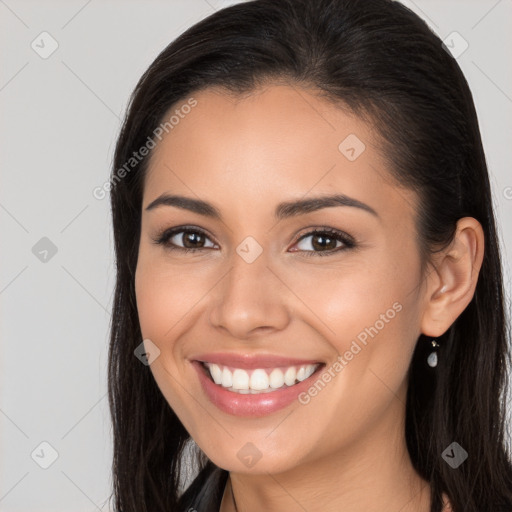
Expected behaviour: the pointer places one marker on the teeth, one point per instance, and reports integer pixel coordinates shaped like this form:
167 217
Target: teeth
301 374
289 376
227 378
240 379
259 380
216 373
276 379
310 369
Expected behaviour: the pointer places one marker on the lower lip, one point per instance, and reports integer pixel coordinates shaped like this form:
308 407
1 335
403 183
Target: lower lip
260 404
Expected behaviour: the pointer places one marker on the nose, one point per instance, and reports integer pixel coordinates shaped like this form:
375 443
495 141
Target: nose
250 299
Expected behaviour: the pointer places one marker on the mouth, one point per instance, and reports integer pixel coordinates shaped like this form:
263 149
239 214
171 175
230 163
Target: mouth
256 381
254 385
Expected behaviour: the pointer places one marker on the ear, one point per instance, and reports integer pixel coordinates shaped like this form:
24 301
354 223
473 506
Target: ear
451 285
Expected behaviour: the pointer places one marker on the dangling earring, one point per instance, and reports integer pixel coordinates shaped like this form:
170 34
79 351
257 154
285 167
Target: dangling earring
432 358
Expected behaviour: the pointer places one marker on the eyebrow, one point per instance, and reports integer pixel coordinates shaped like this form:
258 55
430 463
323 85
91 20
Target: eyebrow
283 210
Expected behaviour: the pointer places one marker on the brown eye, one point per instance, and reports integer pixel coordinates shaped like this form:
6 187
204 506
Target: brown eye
184 239
192 239
324 242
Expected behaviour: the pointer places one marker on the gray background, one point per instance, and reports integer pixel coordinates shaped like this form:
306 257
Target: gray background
60 117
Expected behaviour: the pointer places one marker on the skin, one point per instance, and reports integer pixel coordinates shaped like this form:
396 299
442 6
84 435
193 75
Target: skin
245 155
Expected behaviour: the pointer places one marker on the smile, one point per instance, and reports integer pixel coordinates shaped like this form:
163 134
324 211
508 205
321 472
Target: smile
253 384
258 380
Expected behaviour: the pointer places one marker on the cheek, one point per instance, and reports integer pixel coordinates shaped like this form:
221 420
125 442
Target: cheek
343 301
165 296
371 297
162 300
367 313
371 325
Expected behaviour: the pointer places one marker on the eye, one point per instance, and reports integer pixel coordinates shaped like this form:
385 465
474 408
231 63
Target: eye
325 238
193 239
324 241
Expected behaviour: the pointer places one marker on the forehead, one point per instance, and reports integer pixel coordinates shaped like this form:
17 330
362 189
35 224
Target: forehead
274 127
280 141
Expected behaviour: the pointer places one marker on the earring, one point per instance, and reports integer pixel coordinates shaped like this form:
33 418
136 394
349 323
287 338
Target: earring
432 358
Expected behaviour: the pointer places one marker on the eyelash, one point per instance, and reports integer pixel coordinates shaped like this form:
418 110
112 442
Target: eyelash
347 240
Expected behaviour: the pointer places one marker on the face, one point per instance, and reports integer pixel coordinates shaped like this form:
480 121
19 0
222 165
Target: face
256 293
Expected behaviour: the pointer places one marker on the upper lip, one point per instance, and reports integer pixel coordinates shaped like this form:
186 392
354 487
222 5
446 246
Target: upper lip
252 361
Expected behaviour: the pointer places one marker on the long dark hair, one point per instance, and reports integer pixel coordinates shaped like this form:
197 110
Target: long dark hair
382 62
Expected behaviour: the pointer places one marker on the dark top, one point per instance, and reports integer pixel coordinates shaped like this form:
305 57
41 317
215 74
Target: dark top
205 492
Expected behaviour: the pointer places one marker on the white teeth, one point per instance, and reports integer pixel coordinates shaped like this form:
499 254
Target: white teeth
276 379
289 376
301 374
216 373
240 379
310 369
259 380
227 378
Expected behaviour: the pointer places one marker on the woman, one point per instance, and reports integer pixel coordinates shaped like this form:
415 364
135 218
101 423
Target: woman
308 267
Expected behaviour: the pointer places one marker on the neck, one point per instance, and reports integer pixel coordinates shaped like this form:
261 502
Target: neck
371 471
